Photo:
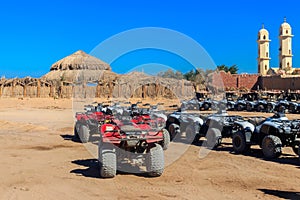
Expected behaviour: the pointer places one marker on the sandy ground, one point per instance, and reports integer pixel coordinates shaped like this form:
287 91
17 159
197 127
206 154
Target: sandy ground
39 160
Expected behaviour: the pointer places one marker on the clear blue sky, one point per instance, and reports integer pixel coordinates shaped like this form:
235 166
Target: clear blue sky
35 34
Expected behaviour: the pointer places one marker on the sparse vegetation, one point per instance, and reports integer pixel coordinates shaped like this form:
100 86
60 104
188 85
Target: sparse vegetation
232 69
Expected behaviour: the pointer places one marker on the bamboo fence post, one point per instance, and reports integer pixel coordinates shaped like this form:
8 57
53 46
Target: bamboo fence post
38 89
24 91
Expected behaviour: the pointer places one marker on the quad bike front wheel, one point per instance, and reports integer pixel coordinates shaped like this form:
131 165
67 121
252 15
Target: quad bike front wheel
239 143
84 134
155 161
173 130
213 137
260 108
76 130
271 146
166 139
107 160
192 134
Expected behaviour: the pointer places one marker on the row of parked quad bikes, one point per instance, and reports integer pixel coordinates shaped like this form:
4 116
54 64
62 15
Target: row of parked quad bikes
128 132
250 102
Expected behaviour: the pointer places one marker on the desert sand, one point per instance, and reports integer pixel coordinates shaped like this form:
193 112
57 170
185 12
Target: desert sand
39 160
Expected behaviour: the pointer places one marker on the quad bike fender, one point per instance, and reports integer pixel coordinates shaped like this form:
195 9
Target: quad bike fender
176 126
273 104
198 121
252 104
245 125
248 135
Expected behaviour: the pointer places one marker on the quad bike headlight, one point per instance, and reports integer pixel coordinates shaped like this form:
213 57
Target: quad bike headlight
109 128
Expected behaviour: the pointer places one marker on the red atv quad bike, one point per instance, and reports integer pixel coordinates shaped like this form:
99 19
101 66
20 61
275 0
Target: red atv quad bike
124 140
88 123
144 121
144 117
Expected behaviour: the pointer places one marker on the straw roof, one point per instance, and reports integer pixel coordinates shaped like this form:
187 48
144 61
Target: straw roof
79 75
80 61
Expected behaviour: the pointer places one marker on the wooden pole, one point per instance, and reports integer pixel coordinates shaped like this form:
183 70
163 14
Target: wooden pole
61 89
119 90
38 89
73 91
24 91
13 88
51 91
1 90
143 91
182 88
156 89
84 89
110 86
98 90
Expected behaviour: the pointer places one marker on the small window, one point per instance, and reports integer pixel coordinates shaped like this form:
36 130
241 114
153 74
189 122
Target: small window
267 54
264 37
288 65
290 52
286 31
266 67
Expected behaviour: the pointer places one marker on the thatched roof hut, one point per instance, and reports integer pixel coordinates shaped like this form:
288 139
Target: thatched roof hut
80 61
79 67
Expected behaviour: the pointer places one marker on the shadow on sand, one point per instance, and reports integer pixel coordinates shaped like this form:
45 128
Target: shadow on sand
281 194
93 139
70 138
285 158
92 169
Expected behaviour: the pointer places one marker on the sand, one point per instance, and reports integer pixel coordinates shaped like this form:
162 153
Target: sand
39 160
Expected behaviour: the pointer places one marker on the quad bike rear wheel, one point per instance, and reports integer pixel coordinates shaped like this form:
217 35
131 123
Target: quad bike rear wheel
84 134
281 109
249 108
166 139
205 106
260 108
155 160
240 107
239 143
107 160
213 138
271 146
